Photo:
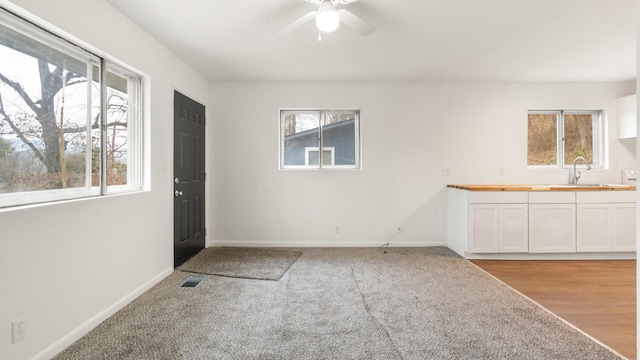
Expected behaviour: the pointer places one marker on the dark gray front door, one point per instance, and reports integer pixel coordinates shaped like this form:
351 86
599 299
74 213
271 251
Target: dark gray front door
189 177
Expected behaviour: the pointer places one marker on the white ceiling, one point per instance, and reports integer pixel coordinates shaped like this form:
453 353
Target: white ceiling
415 40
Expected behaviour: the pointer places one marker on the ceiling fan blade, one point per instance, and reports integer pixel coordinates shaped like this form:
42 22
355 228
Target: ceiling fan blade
351 20
298 22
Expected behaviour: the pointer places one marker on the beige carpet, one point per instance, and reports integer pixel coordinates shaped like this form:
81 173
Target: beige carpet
247 263
337 303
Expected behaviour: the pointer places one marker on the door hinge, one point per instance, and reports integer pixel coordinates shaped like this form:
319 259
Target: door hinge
205 176
205 231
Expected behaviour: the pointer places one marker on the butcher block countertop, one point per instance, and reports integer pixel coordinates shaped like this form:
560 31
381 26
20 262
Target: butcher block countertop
542 187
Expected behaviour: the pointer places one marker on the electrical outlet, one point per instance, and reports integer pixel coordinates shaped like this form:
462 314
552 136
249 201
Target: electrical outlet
501 171
446 171
336 229
398 229
18 330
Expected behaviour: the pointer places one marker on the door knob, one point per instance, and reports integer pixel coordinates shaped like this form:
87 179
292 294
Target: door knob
178 193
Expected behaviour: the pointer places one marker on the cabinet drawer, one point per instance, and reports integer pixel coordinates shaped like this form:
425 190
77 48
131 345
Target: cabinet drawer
552 197
586 197
498 197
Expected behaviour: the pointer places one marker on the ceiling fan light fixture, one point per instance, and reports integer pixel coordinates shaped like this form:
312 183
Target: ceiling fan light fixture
328 18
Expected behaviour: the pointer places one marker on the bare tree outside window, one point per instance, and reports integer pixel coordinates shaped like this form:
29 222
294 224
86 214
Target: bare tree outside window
542 140
47 124
556 138
578 136
117 134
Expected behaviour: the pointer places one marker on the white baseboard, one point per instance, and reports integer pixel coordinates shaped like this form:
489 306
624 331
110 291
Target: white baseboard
302 244
94 321
555 256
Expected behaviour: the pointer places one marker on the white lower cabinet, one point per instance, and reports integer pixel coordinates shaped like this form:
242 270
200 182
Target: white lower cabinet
594 227
483 228
606 222
541 222
513 234
552 222
498 227
552 228
624 227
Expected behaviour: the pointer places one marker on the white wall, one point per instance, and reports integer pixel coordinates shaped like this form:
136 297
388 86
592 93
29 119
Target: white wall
410 131
638 165
67 266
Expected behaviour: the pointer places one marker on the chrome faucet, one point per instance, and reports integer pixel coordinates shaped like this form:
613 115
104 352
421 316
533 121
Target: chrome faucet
576 173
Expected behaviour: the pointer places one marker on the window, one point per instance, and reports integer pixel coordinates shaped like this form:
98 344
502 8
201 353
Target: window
123 146
319 139
64 131
311 156
556 138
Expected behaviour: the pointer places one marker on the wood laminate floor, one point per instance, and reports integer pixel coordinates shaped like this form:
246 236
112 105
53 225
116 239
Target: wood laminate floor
598 297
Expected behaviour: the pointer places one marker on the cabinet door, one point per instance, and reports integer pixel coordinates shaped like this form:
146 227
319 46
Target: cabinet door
594 227
483 228
552 228
513 222
624 228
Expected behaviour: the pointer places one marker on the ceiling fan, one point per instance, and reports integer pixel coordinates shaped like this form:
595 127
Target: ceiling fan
328 18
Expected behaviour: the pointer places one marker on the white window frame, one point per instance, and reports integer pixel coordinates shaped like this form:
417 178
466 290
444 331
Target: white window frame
135 136
306 166
310 149
599 144
134 132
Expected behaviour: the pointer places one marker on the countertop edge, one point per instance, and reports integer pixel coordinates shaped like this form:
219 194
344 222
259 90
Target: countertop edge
539 187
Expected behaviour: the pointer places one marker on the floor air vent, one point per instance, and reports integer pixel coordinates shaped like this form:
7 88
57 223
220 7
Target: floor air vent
193 281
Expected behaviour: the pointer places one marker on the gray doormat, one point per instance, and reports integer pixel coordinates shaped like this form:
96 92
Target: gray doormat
247 263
